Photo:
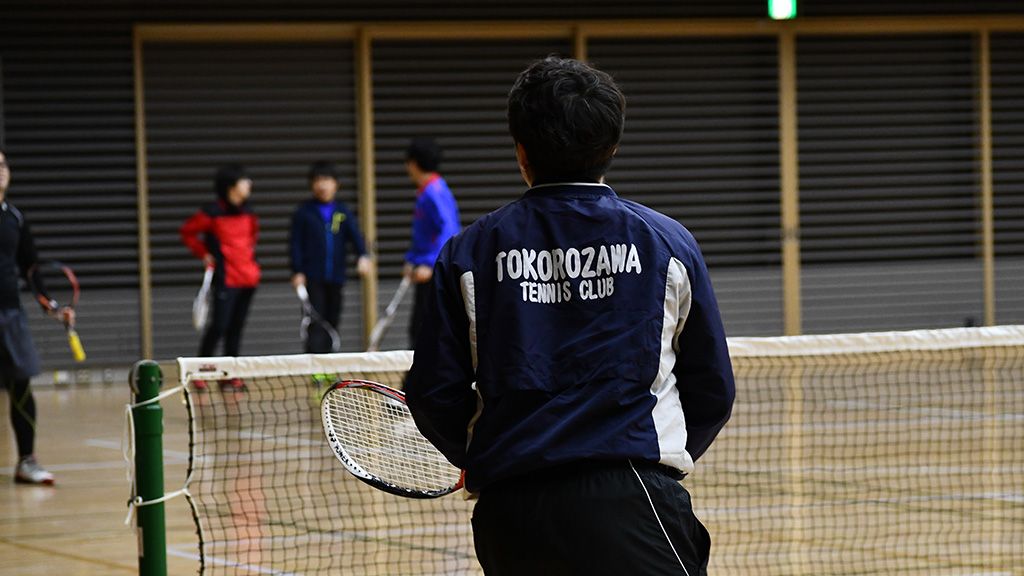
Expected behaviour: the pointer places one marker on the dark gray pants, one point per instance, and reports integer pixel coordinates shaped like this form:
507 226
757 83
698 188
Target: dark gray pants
18 363
421 295
326 298
590 520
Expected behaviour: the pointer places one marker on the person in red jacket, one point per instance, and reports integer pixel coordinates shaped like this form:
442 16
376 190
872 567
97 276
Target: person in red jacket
223 234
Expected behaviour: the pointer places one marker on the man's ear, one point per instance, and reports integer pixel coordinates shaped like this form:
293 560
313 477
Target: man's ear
524 164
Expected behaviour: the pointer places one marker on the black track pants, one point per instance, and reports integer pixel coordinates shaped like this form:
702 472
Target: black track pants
592 521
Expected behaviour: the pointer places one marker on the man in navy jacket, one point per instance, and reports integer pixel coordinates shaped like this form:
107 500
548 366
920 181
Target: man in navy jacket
573 360
321 230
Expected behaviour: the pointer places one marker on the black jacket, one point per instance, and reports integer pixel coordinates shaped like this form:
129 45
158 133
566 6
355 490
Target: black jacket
17 254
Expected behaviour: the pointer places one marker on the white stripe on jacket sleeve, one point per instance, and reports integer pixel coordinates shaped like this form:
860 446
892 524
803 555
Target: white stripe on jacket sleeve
669 421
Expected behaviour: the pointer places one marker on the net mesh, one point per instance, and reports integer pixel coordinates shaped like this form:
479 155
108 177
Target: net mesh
882 453
272 498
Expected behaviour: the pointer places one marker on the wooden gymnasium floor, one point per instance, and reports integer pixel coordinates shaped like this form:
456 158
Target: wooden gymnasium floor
77 527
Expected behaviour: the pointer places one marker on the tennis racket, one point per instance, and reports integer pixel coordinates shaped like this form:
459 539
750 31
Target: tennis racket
370 430
389 314
56 288
204 300
309 316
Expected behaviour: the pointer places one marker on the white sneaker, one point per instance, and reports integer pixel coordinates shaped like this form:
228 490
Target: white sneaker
30 472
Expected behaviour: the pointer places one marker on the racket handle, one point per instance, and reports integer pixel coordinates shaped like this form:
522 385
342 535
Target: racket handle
76 345
302 292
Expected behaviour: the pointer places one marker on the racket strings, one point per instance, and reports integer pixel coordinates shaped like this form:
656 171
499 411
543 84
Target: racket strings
55 284
380 435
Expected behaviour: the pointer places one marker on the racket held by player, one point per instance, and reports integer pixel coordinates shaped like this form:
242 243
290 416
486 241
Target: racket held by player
56 288
372 433
310 316
202 302
377 334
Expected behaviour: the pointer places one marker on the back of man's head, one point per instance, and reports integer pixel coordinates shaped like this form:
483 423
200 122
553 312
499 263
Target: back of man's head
425 152
227 176
322 168
568 116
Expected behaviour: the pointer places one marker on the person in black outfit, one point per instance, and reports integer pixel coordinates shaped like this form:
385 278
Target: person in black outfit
18 359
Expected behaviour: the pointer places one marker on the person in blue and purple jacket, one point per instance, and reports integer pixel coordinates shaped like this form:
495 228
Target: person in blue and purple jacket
435 219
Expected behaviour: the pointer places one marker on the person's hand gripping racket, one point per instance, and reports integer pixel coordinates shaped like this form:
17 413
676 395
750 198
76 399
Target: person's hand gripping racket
204 299
311 317
66 314
56 289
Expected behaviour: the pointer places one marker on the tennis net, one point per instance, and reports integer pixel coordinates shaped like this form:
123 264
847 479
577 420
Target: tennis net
897 452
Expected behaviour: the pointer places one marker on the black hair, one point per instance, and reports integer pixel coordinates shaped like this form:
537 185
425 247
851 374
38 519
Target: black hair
227 176
568 116
323 168
426 152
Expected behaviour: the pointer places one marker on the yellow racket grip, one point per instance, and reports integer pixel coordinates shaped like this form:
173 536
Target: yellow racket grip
76 345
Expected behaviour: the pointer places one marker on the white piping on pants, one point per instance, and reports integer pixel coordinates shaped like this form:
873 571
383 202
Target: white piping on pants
658 518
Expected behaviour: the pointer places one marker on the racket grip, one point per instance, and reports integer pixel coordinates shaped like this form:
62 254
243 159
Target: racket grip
76 346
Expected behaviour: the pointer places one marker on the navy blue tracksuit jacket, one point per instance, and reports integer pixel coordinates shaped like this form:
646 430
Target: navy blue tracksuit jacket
570 325
317 247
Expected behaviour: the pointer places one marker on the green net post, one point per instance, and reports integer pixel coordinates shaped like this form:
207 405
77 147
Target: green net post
149 468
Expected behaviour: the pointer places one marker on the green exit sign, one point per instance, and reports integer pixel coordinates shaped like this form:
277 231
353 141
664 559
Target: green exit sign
782 9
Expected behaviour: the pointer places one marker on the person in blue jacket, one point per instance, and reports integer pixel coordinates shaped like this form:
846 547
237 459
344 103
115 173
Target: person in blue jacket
572 359
435 219
322 228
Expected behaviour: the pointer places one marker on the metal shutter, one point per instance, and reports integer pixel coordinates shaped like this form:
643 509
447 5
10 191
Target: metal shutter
701 144
68 123
273 108
888 182
1007 56
69 133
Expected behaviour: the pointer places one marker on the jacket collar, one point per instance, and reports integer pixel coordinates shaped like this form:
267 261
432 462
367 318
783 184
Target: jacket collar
569 189
431 178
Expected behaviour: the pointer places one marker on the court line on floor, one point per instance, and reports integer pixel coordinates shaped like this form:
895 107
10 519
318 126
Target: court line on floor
171 551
